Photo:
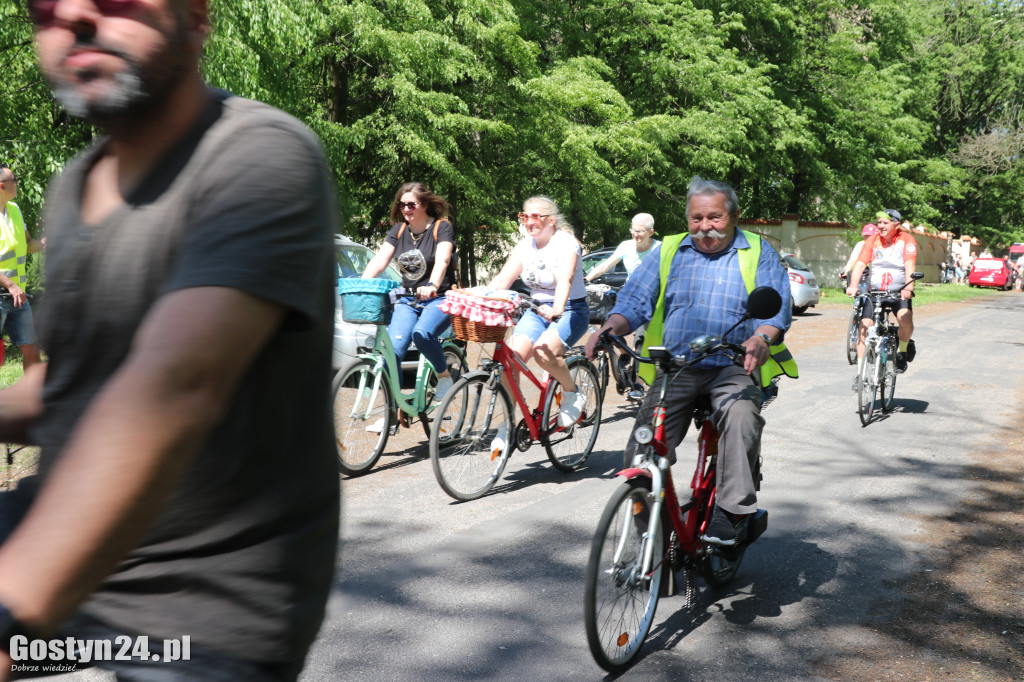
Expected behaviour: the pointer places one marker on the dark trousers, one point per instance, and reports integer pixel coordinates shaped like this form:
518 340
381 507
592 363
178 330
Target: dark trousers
736 413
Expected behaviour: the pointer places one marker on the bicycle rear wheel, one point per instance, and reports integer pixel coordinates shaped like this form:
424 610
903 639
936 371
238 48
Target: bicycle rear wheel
887 387
852 331
569 448
868 385
468 450
618 600
361 417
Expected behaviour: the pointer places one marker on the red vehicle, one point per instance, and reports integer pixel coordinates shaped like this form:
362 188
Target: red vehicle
991 272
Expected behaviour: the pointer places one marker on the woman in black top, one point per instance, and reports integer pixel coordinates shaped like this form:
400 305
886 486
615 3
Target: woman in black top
422 244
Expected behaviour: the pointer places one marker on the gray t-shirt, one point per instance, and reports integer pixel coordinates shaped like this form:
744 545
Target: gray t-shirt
242 556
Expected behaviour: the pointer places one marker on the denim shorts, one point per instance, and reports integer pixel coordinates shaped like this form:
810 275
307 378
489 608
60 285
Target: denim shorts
570 327
17 322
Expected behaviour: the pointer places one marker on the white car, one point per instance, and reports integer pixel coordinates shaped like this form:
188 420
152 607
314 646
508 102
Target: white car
803 287
351 261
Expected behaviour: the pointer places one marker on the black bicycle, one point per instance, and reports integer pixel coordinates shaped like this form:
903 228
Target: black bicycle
623 368
853 328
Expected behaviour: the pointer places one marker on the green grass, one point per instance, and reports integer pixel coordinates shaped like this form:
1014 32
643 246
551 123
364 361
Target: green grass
923 293
22 461
10 371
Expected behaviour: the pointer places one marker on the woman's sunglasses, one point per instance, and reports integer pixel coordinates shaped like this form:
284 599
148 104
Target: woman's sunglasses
42 11
411 205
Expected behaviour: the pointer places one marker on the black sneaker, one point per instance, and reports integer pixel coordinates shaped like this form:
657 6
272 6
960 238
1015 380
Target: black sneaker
901 362
911 350
721 530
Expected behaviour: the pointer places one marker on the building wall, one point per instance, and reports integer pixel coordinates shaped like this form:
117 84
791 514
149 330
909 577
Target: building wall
821 245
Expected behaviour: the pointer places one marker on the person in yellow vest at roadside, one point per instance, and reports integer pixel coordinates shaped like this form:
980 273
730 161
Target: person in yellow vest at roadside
15 244
695 284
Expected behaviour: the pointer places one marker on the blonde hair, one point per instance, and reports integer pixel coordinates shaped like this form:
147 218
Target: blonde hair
552 209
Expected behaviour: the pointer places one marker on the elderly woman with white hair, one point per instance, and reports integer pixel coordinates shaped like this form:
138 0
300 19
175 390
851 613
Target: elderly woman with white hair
548 260
632 251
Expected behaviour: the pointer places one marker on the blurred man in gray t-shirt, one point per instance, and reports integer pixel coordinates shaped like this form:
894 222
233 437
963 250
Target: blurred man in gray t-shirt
187 483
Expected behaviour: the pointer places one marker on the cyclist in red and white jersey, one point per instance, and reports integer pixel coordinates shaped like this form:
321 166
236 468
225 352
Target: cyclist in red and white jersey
892 255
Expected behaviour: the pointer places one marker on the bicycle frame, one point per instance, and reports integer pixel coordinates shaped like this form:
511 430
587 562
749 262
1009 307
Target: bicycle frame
382 353
508 362
659 469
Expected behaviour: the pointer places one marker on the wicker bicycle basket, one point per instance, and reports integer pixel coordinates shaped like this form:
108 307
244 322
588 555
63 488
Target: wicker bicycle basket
468 330
479 316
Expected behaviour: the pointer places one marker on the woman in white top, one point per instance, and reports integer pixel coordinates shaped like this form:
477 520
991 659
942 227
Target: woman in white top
632 251
548 260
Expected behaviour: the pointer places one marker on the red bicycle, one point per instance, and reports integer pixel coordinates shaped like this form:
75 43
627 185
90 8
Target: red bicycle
473 432
645 535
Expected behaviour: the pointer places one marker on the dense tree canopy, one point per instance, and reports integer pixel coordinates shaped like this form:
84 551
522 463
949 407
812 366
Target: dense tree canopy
827 109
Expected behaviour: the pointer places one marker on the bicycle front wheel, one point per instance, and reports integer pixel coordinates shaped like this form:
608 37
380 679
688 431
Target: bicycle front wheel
619 598
472 437
852 331
868 385
568 448
603 372
362 410
887 388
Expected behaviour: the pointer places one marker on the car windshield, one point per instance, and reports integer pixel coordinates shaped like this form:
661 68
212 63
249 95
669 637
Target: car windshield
591 260
988 264
352 260
794 263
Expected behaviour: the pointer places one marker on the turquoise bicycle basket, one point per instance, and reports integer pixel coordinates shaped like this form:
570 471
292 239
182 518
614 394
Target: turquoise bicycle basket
366 301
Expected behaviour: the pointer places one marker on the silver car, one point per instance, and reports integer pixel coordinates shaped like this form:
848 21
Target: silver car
351 260
803 287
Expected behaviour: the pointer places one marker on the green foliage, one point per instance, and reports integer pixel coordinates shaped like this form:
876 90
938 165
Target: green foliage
826 109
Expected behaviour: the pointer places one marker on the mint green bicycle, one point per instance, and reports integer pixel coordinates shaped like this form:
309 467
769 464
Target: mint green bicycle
369 404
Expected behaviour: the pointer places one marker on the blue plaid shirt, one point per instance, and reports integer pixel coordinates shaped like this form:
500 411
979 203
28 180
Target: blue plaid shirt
705 295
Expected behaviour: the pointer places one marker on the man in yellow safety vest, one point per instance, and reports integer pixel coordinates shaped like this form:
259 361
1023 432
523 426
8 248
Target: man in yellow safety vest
15 244
697 284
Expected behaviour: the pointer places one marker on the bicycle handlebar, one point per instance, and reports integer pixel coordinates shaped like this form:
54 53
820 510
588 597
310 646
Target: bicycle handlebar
704 346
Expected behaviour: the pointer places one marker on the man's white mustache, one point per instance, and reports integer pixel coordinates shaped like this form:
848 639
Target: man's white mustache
711 234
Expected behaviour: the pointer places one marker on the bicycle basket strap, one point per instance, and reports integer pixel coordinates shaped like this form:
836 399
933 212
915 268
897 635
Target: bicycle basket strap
356 285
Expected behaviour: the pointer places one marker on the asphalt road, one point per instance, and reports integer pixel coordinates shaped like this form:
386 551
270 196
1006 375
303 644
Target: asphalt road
431 589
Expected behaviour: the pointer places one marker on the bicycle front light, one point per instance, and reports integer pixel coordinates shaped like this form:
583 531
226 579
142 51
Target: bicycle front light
643 434
702 343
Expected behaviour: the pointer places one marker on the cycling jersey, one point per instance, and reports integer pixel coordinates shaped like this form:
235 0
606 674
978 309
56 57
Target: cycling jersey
888 261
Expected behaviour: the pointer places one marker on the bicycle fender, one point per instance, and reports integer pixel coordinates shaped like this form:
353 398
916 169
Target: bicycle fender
634 472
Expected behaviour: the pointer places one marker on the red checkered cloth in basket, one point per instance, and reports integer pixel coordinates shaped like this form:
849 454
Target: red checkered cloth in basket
493 308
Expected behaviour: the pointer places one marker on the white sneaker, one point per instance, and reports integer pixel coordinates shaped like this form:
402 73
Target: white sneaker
499 442
377 426
444 384
572 407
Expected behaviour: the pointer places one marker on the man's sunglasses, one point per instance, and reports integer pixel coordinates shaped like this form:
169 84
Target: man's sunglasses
411 205
42 11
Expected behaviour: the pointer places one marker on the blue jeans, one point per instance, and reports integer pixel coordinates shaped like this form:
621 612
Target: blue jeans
422 325
17 322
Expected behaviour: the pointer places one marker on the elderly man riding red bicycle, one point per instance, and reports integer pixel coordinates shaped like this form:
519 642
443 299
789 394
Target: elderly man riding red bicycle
697 283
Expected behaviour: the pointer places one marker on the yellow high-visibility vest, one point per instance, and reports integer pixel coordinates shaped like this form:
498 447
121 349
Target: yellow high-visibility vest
13 247
780 360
